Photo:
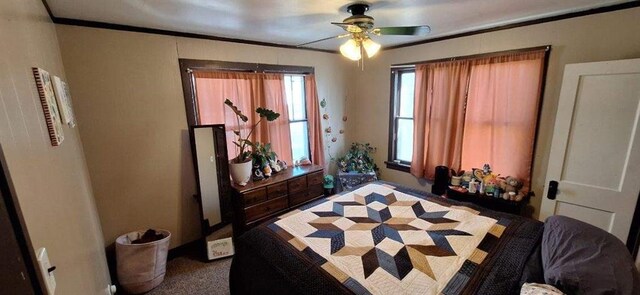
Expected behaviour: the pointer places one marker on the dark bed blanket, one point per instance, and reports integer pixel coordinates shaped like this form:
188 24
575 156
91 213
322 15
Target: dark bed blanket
279 257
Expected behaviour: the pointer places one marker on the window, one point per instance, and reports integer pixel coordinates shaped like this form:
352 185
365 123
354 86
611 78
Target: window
284 89
472 110
298 125
402 116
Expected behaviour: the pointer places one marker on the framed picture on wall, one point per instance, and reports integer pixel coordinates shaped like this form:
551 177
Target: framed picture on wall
49 105
64 101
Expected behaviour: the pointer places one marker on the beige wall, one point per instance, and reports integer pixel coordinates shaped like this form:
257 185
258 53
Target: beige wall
607 36
128 96
130 107
51 183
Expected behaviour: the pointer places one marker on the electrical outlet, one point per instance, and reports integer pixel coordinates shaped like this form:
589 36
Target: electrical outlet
47 270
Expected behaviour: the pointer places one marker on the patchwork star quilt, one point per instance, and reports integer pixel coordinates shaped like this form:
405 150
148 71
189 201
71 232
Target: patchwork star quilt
382 239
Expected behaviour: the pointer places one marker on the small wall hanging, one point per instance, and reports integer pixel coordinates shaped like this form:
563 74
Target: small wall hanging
49 106
64 101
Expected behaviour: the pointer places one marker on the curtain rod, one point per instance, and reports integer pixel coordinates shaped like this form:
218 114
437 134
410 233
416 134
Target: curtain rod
250 71
462 57
191 65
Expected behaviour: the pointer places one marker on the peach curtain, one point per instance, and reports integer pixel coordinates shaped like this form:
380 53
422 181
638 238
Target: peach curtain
313 120
438 114
502 113
247 91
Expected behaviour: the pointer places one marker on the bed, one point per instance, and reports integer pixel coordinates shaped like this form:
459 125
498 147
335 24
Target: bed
382 238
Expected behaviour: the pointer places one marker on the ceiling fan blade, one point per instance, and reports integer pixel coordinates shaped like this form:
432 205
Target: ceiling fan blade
323 39
348 27
410 31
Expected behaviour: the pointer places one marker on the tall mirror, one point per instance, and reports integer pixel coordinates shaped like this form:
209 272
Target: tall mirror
209 150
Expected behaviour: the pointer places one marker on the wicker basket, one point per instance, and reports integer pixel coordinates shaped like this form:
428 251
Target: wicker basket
141 267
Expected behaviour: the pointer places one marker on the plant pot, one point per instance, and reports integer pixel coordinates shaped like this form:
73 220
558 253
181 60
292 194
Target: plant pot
455 180
240 172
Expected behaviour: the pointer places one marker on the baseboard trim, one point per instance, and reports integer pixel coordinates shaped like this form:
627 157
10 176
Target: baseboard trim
187 248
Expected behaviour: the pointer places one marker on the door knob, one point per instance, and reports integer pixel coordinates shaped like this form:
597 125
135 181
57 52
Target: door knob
553 190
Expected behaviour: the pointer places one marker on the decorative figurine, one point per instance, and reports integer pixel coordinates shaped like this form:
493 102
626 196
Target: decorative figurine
466 178
328 184
472 186
478 174
257 175
274 166
282 164
486 169
304 162
266 171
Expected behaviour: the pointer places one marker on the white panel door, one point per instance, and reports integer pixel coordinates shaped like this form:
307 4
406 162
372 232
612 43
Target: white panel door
595 152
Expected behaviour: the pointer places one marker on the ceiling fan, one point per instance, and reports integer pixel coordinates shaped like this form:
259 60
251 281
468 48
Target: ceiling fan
360 28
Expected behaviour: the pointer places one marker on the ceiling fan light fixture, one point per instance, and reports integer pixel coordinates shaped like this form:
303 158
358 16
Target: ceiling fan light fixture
351 50
370 47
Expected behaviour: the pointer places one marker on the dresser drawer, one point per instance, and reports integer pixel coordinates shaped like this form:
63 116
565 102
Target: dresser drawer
315 190
297 184
255 197
277 190
264 209
315 178
298 198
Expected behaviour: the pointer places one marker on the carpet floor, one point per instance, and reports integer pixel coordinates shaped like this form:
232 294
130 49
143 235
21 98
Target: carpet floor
188 275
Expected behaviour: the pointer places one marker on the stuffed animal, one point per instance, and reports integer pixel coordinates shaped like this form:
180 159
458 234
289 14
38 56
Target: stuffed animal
502 183
490 184
512 184
519 197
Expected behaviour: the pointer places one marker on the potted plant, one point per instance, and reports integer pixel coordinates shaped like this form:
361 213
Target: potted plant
357 166
240 167
456 177
264 159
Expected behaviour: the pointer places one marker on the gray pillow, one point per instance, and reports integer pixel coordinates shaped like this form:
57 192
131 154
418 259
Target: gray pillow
579 258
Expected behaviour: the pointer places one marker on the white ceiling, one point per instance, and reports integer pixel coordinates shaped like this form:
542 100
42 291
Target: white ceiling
293 22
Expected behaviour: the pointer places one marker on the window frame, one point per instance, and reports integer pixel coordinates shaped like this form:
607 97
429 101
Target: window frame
394 116
391 145
188 66
306 116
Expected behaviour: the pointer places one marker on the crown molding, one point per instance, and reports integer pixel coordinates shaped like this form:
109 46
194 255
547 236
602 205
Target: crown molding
119 27
610 8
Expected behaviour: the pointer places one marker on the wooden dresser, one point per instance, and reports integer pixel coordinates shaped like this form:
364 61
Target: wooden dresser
264 199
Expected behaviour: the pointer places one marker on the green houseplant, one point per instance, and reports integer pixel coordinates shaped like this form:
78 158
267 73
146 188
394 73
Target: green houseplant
240 167
357 166
358 159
